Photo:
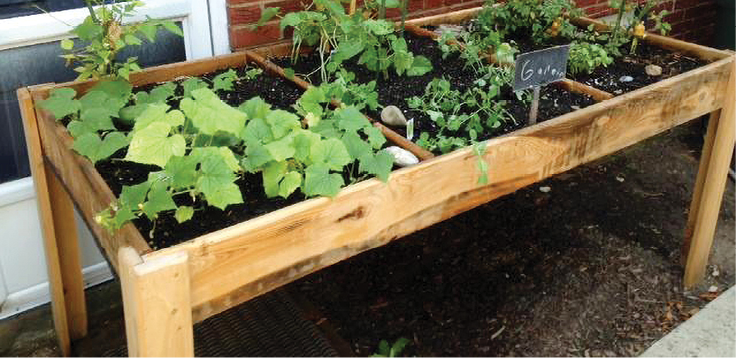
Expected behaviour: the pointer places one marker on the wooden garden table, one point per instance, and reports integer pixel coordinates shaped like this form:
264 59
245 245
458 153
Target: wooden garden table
166 291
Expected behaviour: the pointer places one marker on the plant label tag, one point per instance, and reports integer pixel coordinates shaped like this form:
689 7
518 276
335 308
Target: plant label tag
410 129
538 68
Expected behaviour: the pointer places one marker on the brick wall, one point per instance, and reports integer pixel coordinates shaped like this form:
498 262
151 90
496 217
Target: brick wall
692 20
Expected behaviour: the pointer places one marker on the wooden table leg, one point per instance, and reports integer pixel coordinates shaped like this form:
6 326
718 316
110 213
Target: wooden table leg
59 237
710 137
157 305
710 185
67 243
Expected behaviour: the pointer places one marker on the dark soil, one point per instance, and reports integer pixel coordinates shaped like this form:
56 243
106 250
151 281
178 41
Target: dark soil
609 78
167 231
589 268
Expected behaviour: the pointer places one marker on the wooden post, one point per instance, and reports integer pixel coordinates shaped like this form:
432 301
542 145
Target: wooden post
699 182
59 237
157 304
710 185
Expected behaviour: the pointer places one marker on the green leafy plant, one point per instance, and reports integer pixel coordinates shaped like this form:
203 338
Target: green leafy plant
586 57
205 146
545 18
394 350
339 37
462 116
636 28
103 34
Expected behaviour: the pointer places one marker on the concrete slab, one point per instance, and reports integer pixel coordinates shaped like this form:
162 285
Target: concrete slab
709 333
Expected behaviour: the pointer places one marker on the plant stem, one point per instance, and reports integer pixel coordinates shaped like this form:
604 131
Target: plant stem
382 10
92 12
621 10
404 6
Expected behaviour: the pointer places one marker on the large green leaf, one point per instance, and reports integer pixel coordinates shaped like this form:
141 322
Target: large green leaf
217 181
257 131
182 171
211 115
159 199
282 122
303 143
183 213
91 146
356 146
331 152
351 120
192 84
158 113
379 27
419 66
256 155
255 107
319 181
272 173
291 182
61 103
281 149
379 165
154 145
375 137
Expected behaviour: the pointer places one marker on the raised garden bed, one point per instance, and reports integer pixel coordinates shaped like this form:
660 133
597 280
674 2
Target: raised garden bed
166 290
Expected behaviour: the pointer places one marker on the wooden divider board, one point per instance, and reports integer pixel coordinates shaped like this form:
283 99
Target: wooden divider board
235 264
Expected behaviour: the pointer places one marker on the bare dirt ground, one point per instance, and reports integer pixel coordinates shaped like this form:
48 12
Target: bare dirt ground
590 267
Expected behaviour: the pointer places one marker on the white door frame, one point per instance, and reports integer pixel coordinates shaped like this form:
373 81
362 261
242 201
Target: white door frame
21 290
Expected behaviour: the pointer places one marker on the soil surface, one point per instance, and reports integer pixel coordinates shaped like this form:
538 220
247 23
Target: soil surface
584 263
609 78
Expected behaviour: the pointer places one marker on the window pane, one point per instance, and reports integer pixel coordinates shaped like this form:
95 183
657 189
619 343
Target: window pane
41 63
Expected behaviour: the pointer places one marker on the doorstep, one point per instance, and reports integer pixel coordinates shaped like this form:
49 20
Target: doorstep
709 333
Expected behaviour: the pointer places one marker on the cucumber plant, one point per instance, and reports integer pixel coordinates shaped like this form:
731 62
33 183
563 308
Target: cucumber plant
202 148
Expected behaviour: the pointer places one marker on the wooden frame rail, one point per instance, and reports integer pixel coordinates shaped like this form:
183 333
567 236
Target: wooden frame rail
165 291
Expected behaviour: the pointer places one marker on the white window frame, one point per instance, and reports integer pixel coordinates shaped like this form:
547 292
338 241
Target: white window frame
199 40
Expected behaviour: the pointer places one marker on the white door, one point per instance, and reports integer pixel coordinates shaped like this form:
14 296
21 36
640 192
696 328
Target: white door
23 281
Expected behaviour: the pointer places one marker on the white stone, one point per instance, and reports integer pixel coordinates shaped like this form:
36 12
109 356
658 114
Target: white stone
545 189
653 70
402 157
626 79
393 116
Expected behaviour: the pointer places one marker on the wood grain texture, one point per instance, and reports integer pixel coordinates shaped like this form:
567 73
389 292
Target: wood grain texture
43 197
158 316
706 215
89 191
67 243
251 258
705 155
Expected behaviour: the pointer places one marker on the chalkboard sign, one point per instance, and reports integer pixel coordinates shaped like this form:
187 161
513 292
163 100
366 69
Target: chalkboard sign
537 68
